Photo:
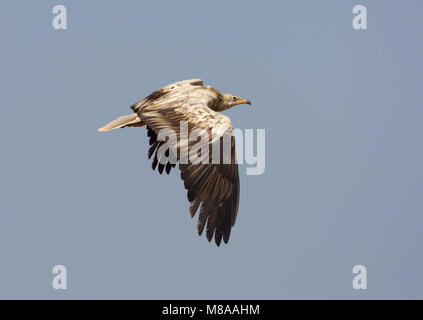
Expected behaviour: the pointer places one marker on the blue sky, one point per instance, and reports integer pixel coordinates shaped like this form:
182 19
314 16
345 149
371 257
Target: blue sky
343 179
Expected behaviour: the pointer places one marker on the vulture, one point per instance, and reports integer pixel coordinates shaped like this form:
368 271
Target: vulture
212 181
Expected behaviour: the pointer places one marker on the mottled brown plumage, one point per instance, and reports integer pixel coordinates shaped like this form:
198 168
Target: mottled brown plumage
212 188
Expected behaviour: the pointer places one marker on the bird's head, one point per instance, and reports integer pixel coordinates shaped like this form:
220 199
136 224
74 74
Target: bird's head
231 100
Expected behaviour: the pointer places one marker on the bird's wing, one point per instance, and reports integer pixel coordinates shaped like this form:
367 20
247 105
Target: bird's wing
161 93
213 188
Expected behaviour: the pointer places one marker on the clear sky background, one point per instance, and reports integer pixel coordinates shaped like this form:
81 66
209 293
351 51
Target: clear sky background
343 115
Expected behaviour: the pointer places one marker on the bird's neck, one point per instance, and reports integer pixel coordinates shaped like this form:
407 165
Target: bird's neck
218 104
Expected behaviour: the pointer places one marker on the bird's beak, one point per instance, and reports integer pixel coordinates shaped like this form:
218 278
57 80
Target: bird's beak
243 101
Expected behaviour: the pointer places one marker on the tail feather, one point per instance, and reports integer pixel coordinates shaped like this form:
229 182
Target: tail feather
131 120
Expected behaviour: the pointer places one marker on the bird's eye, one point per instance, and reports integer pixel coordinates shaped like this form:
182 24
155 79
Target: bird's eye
234 98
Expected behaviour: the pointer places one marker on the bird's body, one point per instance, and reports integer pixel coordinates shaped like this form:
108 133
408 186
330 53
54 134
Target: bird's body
212 186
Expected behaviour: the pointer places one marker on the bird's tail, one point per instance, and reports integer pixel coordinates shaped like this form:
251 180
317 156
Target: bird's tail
131 120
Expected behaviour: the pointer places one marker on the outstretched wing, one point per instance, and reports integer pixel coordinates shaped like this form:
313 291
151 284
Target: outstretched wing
212 186
160 94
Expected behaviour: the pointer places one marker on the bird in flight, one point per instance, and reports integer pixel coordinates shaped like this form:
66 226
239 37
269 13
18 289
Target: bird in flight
212 186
